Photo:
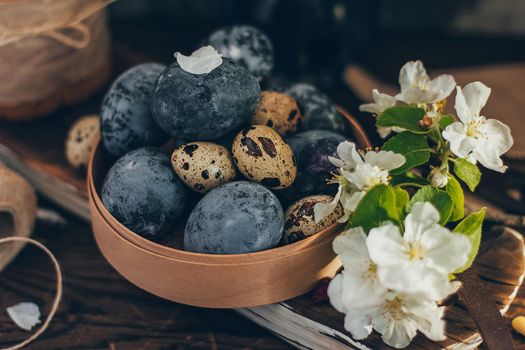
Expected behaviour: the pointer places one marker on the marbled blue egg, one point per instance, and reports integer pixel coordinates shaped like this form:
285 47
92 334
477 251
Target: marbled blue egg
126 121
311 150
318 110
238 217
247 46
204 106
143 193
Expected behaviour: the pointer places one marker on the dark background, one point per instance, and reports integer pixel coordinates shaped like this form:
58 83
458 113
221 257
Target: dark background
314 39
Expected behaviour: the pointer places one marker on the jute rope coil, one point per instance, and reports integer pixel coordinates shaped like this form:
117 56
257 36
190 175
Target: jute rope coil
58 295
17 216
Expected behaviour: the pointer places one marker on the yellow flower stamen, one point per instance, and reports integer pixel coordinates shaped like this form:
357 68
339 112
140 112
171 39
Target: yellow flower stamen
441 105
414 251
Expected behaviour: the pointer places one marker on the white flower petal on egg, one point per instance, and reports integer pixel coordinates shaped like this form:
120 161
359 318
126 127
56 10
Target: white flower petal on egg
201 61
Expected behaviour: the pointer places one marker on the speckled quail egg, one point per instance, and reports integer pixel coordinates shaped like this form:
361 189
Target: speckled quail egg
81 140
261 155
278 111
203 165
300 221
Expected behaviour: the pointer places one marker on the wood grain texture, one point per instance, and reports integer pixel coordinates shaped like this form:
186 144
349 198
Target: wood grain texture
101 310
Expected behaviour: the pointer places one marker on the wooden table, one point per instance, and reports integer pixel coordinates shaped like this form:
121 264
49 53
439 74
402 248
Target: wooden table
101 310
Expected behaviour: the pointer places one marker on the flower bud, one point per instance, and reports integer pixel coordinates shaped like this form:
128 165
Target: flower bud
438 177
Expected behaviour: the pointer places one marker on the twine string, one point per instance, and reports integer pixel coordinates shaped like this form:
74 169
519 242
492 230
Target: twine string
58 295
79 42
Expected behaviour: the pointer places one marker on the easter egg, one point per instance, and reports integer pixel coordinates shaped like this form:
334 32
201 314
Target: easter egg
205 106
279 112
143 193
237 217
311 150
202 166
261 155
318 110
247 46
81 140
126 121
299 219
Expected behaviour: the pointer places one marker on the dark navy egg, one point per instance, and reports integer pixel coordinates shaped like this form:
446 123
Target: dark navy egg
319 111
238 217
311 150
143 193
204 106
126 121
247 46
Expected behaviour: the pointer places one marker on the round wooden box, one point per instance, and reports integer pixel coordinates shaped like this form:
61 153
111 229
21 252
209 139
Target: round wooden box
209 280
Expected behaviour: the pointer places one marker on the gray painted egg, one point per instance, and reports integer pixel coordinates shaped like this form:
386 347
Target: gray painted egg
247 46
126 121
143 193
311 150
237 217
318 110
206 106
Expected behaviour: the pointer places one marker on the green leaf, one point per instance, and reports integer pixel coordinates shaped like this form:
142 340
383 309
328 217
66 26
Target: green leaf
446 120
409 179
467 172
413 147
377 206
405 117
471 227
402 198
440 199
455 192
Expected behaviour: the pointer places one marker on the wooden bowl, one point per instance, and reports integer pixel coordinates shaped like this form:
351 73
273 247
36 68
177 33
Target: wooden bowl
210 280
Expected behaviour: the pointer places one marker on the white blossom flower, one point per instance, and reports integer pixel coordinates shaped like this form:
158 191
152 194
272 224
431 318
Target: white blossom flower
397 319
438 177
357 284
381 103
359 173
421 259
475 137
418 88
